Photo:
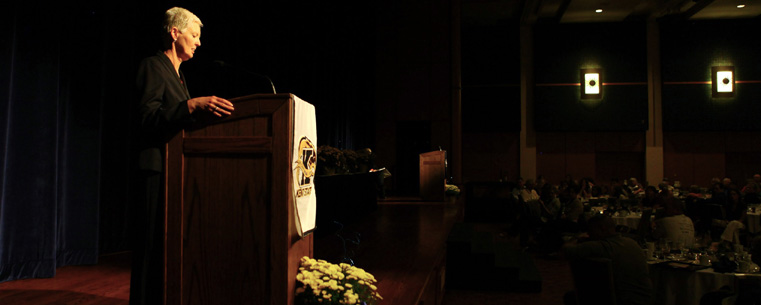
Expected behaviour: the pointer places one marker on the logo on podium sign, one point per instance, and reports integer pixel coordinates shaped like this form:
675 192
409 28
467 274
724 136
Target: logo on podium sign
306 167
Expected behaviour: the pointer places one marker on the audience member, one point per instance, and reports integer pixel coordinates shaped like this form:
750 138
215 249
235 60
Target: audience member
519 186
726 182
674 225
634 187
587 184
539 184
694 192
619 192
665 186
528 193
718 194
735 210
571 218
630 271
649 201
551 206
750 192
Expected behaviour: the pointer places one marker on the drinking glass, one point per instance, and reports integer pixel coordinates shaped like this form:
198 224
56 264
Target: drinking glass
666 247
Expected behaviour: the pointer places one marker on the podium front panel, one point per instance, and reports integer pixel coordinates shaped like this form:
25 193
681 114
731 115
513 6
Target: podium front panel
231 234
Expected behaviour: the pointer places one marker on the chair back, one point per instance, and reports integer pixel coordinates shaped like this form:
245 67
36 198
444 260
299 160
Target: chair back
593 281
644 228
716 211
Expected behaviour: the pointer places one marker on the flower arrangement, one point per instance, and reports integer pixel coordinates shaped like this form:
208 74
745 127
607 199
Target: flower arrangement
332 161
324 283
451 190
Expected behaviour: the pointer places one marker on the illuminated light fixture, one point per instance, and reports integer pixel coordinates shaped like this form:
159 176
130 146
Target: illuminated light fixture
591 84
599 10
723 81
741 6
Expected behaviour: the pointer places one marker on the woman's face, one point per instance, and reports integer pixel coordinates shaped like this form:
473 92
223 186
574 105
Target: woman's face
188 40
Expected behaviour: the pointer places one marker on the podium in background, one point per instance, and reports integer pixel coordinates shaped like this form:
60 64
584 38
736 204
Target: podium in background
231 231
433 175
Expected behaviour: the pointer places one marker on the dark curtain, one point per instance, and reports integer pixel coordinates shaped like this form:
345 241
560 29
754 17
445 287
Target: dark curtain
67 73
51 94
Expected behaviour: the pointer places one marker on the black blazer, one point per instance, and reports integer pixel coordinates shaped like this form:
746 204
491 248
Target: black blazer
163 108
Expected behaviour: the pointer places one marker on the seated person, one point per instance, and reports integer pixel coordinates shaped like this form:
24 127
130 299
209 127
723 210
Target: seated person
519 186
630 271
736 211
750 192
648 202
634 187
573 209
694 192
665 186
674 225
619 192
551 206
528 193
718 194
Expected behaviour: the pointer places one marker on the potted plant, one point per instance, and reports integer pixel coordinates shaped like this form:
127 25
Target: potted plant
321 282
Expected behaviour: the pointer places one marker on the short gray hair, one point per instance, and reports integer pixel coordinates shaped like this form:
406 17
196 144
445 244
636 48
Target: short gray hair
180 18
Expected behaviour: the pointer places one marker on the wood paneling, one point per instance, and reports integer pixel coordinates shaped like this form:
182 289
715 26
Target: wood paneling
490 156
231 231
402 245
697 157
599 155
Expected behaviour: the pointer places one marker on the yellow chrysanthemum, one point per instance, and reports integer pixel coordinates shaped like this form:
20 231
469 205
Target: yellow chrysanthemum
324 280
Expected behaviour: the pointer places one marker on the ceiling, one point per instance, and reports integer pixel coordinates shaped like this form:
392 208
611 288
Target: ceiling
490 12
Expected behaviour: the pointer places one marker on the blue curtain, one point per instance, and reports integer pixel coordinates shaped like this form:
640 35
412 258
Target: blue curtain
50 132
67 73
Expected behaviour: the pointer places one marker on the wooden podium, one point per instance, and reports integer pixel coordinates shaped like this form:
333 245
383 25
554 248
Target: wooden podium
433 175
231 235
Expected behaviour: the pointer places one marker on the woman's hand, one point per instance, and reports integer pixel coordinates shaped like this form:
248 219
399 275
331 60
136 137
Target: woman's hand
216 105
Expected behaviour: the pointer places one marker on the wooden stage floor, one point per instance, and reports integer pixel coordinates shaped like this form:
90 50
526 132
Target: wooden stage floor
396 244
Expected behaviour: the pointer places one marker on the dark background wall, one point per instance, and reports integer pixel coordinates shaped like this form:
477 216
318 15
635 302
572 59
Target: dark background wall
560 51
491 105
413 86
604 138
688 51
381 77
708 137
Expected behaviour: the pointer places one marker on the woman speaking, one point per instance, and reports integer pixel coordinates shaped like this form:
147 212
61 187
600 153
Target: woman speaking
165 107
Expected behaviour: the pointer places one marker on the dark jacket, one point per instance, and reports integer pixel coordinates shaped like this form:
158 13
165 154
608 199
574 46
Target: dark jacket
163 108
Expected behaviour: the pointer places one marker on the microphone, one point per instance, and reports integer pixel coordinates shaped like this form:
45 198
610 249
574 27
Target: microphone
220 63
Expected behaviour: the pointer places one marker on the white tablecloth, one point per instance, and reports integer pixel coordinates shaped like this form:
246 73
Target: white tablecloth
753 221
631 220
674 286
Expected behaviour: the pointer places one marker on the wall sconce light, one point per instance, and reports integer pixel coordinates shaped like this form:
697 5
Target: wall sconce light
591 84
723 81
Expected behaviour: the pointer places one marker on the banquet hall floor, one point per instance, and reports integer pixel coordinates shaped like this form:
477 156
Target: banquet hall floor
112 286
556 281
107 283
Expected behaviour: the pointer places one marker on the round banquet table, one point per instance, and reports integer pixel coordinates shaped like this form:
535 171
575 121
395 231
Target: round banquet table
753 220
677 286
631 220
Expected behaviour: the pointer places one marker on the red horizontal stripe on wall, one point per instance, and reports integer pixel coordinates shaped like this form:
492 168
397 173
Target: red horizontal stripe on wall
644 84
558 85
687 83
625 84
709 82
578 84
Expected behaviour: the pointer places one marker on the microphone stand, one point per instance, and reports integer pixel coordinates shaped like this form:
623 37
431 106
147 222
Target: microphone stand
224 64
